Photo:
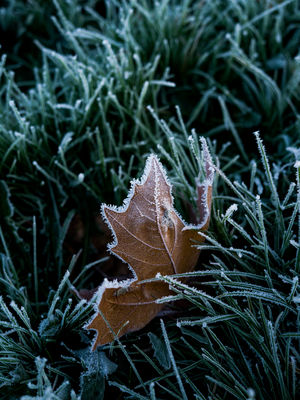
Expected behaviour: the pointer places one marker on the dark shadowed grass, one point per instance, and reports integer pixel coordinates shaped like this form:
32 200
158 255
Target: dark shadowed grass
88 90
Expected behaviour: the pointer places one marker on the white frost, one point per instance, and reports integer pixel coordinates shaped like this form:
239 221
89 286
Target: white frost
297 164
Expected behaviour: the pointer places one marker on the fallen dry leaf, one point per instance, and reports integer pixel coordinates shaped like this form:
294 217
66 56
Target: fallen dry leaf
150 236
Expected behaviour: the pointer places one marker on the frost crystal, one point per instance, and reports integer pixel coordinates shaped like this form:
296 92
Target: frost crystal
81 177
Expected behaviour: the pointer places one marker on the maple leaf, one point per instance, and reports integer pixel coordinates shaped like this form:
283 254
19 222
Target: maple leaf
151 237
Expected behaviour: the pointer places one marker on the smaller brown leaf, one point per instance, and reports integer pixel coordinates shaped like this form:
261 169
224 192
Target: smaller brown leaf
151 237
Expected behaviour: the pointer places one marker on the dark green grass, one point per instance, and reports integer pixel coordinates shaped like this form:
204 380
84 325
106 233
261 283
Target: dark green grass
88 90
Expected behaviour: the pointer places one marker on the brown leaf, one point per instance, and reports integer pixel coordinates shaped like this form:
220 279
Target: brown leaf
151 238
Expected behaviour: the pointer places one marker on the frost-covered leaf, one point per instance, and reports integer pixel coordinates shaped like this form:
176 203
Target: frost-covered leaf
92 381
93 386
160 350
151 237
